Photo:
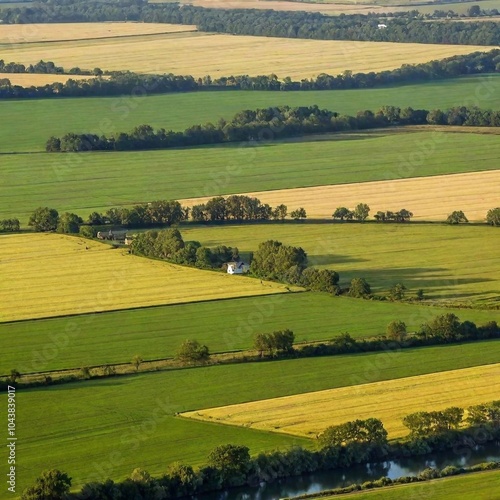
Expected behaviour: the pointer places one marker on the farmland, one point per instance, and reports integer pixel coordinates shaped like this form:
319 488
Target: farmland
200 54
311 413
90 340
83 183
181 110
54 275
114 441
38 80
478 486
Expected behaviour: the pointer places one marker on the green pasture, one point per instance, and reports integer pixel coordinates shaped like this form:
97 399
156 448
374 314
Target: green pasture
84 182
104 428
227 325
476 486
106 115
450 263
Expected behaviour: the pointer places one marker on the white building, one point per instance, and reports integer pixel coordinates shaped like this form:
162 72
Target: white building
237 267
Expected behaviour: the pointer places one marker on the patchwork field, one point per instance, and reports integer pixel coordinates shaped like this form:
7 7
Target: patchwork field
59 32
39 80
83 183
225 325
129 422
47 275
200 54
309 414
181 110
477 486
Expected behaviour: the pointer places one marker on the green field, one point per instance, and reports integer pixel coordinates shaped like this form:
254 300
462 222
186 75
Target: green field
109 427
477 486
86 182
222 325
457 264
178 111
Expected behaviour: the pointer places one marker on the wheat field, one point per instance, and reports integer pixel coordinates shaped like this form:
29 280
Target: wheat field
200 54
310 413
39 80
44 275
428 198
56 32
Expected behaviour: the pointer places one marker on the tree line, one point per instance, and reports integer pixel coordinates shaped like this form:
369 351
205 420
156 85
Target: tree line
280 121
400 27
339 446
126 82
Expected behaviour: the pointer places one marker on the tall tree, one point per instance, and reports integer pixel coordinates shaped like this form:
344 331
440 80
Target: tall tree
44 219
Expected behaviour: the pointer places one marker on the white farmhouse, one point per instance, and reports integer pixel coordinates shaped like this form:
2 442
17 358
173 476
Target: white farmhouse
237 267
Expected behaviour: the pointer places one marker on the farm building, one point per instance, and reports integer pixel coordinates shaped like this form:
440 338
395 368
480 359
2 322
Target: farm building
120 236
237 267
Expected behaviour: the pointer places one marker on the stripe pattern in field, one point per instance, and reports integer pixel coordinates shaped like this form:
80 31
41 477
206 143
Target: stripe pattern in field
46 275
310 413
428 198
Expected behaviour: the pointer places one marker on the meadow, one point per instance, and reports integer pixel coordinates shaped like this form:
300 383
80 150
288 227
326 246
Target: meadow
107 428
200 54
224 326
83 183
309 414
475 193
47 275
450 263
477 486
105 115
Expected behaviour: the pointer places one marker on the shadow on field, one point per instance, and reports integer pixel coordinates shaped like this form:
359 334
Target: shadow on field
327 259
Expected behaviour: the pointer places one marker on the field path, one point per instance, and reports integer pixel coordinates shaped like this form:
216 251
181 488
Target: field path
429 198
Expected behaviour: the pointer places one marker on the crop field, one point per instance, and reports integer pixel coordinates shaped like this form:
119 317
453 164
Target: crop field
228 325
477 486
200 54
475 193
442 260
129 422
39 80
181 110
47 275
309 414
83 183
60 32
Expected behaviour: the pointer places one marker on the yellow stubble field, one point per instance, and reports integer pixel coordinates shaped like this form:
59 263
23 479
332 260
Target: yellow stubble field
39 80
44 275
309 414
200 54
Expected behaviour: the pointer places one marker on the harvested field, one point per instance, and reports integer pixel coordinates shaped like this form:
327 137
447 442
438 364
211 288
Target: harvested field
34 33
39 80
46 275
308 414
428 198
200 54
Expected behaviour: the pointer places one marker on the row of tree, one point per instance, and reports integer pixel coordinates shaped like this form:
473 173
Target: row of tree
127 83
362 211
401 27
279 122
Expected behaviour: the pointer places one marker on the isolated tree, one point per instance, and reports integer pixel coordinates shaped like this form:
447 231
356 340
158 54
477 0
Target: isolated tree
361 212
474 11
50 485
397 292
493 217
44 219
456 217
69 223
420 294
343 213
280 212
136 361
396 330
191 351
299 214
359 288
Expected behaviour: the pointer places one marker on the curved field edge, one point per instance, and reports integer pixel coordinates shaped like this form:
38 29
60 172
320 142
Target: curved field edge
473 486
307 415
47 275
118 424
84 182
223 325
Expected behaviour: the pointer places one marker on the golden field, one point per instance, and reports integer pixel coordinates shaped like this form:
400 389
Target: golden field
428 198
310 413
200 54
39 80
45 275
32 33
